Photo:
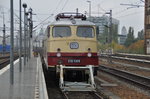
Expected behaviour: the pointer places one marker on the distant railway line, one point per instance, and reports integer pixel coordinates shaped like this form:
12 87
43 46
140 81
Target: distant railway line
137 80
136 56
128 57
5 60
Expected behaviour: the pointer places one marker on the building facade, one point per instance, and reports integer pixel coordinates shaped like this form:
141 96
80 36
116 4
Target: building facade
122 39
147 26
103 25
123 36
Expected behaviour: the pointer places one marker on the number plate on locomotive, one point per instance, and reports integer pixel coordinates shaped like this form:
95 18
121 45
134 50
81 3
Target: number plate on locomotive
74 45
73 61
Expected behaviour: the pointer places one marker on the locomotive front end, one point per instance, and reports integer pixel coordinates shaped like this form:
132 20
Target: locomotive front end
72 49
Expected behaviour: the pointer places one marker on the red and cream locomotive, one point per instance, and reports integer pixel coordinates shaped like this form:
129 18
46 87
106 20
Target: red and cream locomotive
71 51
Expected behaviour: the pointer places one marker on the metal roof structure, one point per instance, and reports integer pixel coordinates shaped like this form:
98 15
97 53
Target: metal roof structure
72 22
71 19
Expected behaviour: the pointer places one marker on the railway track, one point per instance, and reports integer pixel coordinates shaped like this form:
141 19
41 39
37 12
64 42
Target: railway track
54 92
96 95
132 59
140 81
137 56
4 60
83 95
4 57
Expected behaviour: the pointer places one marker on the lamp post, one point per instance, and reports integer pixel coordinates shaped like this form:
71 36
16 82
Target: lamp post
12 43
25 23
110 36
30 31
20 35
27 35
89 8
4 42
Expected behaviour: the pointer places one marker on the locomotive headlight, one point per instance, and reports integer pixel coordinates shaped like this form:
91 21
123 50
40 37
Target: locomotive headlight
89 54
58 54
58 49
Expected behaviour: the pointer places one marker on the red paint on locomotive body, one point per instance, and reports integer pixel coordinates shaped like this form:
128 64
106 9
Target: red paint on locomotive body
72 59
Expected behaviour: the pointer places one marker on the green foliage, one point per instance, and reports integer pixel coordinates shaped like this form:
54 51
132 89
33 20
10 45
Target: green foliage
103 46
132 44
116 47
140 35
130 37
137 47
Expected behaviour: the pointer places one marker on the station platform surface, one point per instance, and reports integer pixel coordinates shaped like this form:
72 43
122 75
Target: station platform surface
24 82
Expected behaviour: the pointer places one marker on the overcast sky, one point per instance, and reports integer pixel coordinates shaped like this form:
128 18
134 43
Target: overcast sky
44 8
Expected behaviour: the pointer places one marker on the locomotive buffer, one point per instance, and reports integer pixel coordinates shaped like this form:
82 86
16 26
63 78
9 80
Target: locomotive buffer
88 83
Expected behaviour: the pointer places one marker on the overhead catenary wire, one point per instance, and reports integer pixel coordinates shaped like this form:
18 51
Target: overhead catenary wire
41 23
121 11
57 6
64 5
23 11
129 14
136 5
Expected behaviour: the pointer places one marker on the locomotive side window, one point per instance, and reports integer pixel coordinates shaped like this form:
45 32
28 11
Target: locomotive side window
86 32
48 32
61 31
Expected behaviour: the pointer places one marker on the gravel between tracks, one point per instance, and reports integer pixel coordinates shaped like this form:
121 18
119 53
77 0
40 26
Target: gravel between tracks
123 90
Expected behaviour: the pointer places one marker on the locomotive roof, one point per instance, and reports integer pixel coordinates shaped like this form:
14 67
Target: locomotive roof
70 22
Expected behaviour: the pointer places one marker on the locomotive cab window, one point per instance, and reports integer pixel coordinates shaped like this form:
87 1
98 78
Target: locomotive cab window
87 32
48 32
61 31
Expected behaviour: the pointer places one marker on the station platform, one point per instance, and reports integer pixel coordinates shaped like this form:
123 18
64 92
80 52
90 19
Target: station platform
28 84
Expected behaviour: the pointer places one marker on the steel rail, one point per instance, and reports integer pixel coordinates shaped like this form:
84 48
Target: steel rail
127 59
65 95
93 94
4 57
4 61
140 56
96 95
141 81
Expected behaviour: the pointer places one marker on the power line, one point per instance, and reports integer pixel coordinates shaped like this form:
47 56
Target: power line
131 6
130 14
43 21
121 11
102 1
102 8
64 5
57 6
48 14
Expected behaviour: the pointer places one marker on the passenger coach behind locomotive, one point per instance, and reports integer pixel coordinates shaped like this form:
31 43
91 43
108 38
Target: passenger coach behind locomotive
71 42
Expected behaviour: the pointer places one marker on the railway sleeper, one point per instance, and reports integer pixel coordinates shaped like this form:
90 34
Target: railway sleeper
73 78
